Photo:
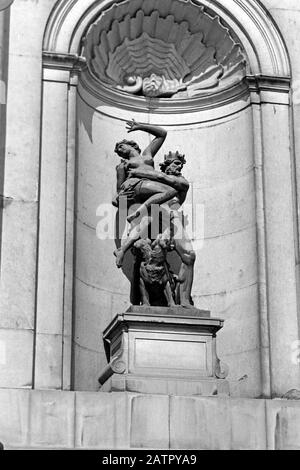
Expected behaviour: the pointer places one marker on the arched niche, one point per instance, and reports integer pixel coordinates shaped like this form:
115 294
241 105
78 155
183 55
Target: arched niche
255 114
251 22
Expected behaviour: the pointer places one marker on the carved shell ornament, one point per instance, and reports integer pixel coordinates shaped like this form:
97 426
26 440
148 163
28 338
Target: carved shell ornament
163 48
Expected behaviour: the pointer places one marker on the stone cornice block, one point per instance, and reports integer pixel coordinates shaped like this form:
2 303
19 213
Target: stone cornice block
69 62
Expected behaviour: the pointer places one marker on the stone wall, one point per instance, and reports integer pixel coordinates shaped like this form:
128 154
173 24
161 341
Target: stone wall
36 250
220 169
287 16
20 190
82 420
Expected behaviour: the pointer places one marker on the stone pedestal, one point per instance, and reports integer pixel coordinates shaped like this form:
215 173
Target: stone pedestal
163 351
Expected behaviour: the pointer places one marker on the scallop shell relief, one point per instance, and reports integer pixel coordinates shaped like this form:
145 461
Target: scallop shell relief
163 48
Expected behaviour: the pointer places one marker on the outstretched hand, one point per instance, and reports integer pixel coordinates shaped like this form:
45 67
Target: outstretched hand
132 126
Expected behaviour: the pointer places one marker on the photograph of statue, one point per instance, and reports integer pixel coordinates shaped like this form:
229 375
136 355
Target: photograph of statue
139 184
149 227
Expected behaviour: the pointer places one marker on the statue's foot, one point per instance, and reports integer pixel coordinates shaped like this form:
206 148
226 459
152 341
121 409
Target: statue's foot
119 254
115 202
186 304
133 216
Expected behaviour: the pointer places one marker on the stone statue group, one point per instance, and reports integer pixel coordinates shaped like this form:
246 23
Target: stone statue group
154 198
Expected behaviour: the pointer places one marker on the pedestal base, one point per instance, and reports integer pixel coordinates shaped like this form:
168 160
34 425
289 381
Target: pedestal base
160 350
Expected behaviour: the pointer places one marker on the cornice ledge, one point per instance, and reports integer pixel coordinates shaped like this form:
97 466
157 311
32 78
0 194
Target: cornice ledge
162 105
66 62
258 83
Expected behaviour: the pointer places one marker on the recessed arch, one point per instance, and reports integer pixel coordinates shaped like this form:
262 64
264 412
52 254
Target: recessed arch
249 20
267 88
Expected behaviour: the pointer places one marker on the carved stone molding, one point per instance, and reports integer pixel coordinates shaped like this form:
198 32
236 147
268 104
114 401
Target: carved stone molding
62 67
69 62
269 83
112 100
115 366
162 350
267 89
221 369
163 49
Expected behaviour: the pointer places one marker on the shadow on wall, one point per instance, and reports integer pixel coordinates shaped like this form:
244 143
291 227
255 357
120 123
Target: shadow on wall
87 122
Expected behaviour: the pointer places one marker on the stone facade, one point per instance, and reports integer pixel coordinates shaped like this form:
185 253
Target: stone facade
59 286
84 420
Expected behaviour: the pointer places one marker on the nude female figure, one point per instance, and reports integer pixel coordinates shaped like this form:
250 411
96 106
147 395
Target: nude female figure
144 191
148 190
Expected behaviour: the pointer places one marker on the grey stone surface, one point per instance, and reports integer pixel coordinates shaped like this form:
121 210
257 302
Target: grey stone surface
283 424
16 358
20 186
226 280
85 420
48 361
199 424
14 417
52 419
149 422
102 423
169 311
165 386
217 424
248 427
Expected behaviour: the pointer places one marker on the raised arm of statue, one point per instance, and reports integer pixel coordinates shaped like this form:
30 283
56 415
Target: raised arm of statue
159 133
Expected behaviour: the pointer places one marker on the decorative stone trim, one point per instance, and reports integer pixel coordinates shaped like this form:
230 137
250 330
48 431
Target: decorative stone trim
115 366
68 62
269 83
62 67
267 89
158 350
143 104
221 369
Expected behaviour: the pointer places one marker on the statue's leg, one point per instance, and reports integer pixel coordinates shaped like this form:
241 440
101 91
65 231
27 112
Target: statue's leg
133 236
153 193
185 250
169 295
144 293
